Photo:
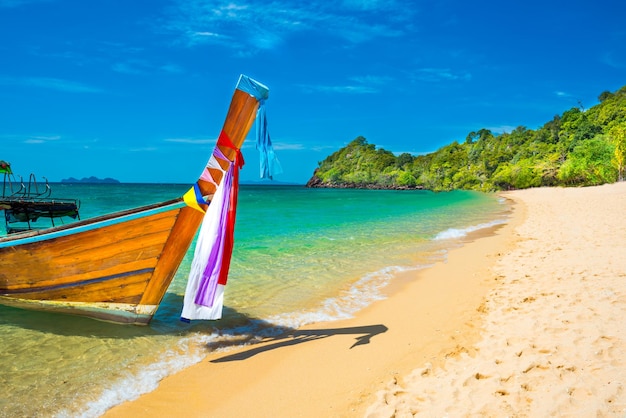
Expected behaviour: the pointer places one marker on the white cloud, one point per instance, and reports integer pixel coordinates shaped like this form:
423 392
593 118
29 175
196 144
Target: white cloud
50 83
194 141
324 148
143 149
47 138
610 59
140 67
372 79
359 85
350 89
127 68
267 25
502 129
172 68
367 4
440 74
207 34
281 146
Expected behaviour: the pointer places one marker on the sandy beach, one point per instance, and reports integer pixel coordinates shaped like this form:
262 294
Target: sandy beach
527 319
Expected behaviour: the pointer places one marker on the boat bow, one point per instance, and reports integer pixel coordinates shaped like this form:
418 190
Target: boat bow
118 267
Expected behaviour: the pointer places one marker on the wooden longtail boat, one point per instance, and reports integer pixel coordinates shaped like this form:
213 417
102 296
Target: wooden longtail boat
116 267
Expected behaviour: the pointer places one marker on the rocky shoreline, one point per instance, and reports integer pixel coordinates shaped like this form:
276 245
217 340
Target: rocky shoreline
317 183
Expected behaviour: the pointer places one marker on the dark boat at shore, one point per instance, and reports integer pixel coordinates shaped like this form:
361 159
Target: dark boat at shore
24 203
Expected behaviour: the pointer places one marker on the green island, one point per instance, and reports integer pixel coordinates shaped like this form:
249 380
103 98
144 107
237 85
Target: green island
578 148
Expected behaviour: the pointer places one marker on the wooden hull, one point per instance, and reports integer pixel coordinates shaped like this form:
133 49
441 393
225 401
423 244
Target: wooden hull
115 267
110 268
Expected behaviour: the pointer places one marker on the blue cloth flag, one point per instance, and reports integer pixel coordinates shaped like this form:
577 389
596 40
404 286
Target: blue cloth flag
270 166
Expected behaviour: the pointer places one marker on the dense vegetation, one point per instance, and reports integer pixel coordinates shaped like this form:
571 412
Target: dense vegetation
578 148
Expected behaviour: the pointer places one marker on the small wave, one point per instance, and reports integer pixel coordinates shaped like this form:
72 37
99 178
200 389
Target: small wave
360 295
455 233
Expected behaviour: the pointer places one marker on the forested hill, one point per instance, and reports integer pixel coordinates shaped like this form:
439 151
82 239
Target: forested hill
577 148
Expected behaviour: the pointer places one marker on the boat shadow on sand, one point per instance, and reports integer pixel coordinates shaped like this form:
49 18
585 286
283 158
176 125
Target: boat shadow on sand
293 337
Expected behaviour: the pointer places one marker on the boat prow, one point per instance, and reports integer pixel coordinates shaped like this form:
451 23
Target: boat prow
117 267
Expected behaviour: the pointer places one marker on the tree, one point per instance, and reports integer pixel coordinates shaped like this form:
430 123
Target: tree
406 179
471 137
604 95
404 159
589 164
382 159
618 135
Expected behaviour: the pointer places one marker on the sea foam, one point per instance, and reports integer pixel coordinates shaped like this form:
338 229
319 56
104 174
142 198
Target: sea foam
455 233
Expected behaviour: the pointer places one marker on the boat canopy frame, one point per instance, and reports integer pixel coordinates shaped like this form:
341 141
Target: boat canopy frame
24 203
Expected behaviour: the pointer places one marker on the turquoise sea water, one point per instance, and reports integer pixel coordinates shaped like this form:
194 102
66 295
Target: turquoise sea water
301 256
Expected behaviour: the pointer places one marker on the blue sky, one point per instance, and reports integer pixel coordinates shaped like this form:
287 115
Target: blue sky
138 90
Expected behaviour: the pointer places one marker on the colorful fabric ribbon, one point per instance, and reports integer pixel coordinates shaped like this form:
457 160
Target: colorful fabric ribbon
204 296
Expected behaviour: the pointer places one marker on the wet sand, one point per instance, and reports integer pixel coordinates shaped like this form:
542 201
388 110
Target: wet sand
527 320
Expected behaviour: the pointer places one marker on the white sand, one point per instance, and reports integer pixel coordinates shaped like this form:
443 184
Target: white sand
554 334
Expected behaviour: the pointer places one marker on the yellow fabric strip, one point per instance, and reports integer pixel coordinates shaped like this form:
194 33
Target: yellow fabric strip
190 200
